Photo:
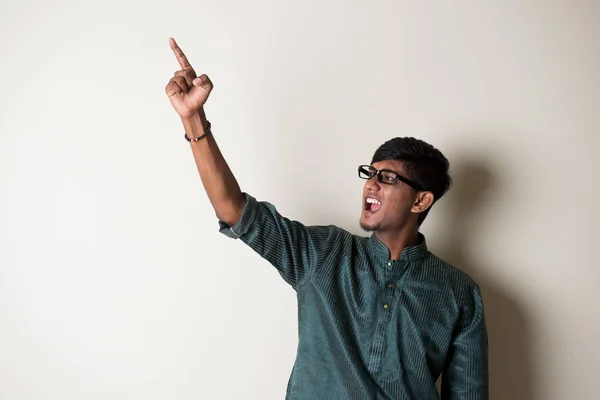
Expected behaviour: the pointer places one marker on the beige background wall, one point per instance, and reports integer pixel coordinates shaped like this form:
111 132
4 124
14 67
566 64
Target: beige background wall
114 282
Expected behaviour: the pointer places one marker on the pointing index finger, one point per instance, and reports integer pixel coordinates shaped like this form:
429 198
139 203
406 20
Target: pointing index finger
183 61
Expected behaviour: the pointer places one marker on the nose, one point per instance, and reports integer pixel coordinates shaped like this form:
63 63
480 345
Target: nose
373 184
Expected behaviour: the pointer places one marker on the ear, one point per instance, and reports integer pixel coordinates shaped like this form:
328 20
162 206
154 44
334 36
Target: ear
423 201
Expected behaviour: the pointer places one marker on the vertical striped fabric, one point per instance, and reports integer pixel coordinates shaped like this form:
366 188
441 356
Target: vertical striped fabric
370 327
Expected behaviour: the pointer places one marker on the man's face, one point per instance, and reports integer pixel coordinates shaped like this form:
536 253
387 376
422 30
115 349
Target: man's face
387 208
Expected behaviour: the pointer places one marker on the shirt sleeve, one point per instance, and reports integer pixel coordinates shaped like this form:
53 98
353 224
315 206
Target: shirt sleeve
294 249
465 376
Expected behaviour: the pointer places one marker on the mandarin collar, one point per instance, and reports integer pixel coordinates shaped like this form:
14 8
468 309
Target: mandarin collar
409 254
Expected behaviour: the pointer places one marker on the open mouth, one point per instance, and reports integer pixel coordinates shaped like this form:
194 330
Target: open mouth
372 204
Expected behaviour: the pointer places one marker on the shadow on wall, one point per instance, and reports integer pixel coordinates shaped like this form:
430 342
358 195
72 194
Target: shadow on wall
511 375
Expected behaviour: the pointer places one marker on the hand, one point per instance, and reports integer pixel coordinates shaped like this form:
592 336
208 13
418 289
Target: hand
187 92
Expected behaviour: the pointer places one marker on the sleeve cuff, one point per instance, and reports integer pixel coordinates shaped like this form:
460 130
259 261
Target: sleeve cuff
243 225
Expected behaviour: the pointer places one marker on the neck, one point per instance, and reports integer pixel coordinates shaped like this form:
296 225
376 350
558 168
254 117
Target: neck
398 241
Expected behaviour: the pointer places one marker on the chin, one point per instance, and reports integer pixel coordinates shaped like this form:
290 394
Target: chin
370 221
368 227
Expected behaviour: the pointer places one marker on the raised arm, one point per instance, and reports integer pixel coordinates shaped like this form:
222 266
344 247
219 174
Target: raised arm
294 249
188 94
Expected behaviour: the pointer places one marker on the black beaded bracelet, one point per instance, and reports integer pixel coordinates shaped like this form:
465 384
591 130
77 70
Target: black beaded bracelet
199 137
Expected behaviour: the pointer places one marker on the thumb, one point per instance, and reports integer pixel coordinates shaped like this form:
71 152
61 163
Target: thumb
202 81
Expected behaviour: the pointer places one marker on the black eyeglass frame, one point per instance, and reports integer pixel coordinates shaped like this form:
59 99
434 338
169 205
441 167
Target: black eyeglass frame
371 171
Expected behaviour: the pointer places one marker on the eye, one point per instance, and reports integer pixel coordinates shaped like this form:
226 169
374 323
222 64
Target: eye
388 176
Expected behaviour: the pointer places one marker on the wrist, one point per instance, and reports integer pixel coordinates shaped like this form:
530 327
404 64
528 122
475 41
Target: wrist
195 124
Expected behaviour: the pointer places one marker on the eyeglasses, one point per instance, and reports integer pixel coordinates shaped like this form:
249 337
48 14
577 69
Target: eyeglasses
386 176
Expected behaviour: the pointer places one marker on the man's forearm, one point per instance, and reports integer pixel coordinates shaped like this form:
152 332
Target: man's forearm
219 182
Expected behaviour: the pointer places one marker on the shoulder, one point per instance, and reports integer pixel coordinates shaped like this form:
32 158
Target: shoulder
455 275
462 285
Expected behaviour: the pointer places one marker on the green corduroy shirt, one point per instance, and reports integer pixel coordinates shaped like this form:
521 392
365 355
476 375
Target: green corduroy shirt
370 327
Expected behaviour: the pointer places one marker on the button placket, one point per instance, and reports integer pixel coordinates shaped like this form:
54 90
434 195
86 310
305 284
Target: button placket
388 293
393 274
379 346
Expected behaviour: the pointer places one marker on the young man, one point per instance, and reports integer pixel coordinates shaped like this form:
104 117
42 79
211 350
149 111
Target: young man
379 317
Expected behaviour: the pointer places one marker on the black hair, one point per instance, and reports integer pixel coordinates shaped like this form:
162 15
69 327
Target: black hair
423 164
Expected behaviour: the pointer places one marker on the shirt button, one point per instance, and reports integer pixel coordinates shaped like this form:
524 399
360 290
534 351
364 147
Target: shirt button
385 306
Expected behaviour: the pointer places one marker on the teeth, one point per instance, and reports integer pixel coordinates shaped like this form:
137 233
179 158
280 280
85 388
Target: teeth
373 201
